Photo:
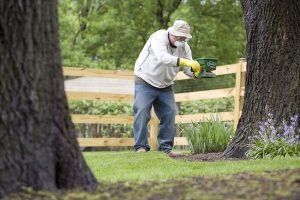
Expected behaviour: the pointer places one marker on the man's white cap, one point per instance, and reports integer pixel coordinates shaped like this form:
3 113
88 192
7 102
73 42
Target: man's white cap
180 28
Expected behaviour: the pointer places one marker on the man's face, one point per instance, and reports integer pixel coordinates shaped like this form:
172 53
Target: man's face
174 38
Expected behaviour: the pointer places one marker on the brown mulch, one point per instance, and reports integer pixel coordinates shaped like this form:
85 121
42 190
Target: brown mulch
275 185
209 157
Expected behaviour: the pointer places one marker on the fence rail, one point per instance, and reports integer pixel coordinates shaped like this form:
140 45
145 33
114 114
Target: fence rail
237 92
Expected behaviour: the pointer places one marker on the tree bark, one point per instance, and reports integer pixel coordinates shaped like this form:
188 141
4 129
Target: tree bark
38 146
273 67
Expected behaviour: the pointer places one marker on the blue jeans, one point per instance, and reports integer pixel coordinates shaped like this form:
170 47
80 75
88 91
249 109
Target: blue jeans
163 102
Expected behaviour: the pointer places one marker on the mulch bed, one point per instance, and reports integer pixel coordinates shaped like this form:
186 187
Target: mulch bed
209 157
275 185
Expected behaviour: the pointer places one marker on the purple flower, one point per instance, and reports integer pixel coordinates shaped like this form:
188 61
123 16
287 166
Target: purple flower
286 129
262 127
270 121
294 118
287 132
273 129
291 141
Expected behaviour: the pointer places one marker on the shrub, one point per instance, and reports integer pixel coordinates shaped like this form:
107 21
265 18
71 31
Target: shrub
207 106
210 136
274 141
102 108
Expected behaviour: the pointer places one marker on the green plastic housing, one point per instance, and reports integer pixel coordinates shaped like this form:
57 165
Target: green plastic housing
208 64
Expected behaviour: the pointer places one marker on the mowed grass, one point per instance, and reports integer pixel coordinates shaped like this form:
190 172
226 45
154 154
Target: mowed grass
139 167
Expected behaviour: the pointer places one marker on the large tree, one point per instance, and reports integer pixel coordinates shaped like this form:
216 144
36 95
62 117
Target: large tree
38 146
273 67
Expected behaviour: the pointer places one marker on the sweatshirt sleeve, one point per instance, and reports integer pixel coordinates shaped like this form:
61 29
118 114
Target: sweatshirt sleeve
159 44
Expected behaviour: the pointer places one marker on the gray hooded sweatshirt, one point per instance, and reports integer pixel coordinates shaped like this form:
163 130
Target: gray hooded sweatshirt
157 62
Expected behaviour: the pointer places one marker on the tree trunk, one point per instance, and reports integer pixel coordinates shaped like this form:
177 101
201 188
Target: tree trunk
164 10
38 146
273 67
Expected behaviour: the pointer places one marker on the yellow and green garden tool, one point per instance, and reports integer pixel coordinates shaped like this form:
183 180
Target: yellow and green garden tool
208 65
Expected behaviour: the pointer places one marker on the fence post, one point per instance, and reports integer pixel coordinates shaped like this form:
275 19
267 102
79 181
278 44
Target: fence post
153 130
237 96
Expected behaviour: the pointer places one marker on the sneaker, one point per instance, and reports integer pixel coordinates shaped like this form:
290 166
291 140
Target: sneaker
141 150
173 154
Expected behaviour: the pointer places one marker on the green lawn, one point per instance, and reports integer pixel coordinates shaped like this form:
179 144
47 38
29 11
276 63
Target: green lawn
130 166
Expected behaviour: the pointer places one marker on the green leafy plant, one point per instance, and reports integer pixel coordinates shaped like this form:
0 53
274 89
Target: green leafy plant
207 106
213 135
274 141
102 108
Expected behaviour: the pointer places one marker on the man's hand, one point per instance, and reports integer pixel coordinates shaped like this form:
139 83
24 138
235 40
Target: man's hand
197 74
195 66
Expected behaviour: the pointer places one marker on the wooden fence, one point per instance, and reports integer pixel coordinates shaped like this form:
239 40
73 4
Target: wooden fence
238 92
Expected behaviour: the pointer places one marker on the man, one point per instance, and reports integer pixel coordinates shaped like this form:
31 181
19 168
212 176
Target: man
155 69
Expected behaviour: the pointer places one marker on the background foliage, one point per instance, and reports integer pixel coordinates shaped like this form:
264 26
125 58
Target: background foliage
109 34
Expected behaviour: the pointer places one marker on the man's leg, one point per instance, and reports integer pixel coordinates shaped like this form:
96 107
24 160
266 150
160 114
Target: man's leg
143 100
165 109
